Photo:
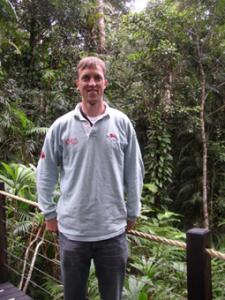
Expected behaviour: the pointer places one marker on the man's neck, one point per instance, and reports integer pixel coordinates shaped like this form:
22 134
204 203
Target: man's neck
93 110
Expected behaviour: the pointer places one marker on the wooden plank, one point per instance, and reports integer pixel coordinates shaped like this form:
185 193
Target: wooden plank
24 298
5 285
10 292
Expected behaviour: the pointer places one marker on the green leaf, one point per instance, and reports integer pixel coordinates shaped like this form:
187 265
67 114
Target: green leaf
143 296
9 170
151 187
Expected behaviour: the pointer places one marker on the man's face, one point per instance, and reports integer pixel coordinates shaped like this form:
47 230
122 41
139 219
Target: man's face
91 83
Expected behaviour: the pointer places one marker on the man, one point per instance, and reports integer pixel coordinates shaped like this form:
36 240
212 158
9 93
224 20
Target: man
95 151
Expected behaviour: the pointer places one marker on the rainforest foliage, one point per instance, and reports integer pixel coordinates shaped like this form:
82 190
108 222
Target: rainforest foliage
166 69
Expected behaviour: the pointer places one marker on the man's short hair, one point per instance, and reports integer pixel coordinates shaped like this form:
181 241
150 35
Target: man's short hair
91 62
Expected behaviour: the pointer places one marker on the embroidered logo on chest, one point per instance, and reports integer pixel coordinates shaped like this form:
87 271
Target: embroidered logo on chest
112 136
71 141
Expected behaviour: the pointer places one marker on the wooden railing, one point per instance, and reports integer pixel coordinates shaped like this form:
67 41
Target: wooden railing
198 253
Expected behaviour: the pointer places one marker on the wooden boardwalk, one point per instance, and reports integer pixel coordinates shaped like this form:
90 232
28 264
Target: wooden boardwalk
10 292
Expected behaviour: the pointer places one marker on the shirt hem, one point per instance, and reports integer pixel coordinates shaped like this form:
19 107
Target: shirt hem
92 239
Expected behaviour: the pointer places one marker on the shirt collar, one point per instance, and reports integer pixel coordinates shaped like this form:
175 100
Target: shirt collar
77 112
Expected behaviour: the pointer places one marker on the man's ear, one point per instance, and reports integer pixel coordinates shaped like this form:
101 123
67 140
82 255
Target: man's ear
106 83
77 84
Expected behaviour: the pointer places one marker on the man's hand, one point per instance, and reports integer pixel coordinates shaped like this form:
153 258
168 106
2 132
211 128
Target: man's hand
52 225
130 225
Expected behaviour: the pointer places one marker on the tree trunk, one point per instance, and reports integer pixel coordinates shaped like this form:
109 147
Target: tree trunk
167 99
101 25
204 138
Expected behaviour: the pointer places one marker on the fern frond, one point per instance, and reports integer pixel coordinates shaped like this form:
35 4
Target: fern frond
37 130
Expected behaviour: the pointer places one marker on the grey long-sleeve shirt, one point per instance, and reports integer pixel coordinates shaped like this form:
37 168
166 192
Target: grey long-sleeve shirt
98 171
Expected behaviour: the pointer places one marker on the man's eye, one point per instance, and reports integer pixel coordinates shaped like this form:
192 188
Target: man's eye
98 78
85 78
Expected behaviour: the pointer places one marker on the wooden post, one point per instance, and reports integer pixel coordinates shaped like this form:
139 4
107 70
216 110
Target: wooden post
3 240
199 283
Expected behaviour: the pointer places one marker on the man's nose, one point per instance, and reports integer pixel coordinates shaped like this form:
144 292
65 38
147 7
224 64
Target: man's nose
92 81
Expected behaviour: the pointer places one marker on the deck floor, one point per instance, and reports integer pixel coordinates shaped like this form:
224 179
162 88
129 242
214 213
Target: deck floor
10 292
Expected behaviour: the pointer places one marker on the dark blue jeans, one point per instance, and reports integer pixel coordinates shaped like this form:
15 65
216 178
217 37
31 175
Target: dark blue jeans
110 259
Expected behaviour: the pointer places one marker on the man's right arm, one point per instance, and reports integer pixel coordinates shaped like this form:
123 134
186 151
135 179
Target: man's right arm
47 177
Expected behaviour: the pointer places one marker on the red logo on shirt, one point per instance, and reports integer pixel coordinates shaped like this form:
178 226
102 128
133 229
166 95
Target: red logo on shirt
42 155
112 136
71 141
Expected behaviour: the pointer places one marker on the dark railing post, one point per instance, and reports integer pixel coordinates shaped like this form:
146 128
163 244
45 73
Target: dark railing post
199 283
3 240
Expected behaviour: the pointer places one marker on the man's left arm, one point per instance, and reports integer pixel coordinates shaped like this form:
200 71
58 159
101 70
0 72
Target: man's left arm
133 178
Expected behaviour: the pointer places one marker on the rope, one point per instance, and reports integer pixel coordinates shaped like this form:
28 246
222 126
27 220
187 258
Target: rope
158 239
151 237
19 198
216 254
148 236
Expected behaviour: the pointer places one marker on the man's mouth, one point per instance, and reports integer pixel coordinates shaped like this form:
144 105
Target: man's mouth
93 92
